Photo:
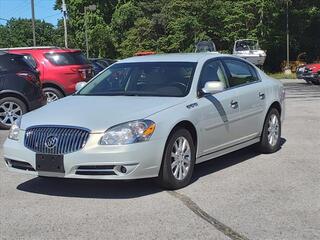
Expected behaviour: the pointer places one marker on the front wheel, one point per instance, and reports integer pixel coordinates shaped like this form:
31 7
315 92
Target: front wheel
271 135
11 109
178 160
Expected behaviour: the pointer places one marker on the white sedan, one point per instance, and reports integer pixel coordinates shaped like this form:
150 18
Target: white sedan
151 116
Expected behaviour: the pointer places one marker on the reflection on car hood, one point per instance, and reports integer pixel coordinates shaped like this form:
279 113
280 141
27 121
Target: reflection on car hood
97 113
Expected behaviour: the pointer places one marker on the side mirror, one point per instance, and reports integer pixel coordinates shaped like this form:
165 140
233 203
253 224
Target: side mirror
80 85
213 87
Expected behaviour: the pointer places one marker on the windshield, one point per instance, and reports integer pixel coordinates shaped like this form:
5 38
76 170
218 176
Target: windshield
171 79
247 45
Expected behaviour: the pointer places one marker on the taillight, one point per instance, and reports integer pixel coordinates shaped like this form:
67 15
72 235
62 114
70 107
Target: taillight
29 77
83 73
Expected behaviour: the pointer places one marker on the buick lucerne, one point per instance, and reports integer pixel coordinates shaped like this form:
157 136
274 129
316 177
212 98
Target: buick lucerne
151 116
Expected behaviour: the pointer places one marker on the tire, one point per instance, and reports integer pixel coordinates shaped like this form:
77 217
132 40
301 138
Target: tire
167 178
52 94
10 109
317 82
271 134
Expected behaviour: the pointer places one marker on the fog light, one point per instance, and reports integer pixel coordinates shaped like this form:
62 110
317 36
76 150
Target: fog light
123 169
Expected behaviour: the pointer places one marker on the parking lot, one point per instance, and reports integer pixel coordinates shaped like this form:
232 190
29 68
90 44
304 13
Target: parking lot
242 195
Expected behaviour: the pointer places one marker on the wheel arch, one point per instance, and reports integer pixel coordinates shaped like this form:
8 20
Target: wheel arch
275 105
4 94
188 126
50 84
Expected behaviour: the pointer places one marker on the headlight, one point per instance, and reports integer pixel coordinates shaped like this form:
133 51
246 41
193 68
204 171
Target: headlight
14 130
129 132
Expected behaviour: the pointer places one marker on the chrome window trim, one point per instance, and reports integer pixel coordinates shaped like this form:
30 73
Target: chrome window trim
221 60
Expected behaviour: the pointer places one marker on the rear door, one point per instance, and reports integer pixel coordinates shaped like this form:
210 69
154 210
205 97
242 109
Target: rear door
252 100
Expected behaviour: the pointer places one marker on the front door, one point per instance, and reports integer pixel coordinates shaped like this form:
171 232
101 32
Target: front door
218 111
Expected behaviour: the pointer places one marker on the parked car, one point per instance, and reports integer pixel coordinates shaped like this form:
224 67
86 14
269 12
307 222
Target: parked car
300 71
60 69
20 89
310 73
151 116
100 64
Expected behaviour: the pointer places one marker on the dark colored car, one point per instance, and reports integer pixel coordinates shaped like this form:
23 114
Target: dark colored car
310 73
97 67
20 88
99 64
60 68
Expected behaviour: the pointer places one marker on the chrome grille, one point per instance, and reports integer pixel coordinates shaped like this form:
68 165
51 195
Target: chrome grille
55 139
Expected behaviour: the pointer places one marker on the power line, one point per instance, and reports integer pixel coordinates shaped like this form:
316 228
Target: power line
56 14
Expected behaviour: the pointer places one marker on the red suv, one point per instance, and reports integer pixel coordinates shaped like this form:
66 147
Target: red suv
60 68
310 73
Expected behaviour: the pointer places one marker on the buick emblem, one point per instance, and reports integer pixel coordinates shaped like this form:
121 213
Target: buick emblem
51 141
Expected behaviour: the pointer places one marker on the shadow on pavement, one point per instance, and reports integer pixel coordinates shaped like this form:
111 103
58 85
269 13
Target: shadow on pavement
82 188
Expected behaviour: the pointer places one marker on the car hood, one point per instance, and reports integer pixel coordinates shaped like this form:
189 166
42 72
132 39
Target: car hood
97 113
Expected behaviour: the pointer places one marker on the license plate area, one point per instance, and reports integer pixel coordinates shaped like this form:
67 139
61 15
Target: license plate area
49 163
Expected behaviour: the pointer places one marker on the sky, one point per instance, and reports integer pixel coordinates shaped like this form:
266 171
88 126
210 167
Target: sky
22 8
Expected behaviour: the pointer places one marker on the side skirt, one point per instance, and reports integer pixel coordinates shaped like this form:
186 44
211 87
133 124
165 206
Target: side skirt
226 150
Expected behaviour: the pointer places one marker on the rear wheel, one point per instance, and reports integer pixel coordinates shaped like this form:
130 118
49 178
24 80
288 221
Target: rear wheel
178 160
271 134
11 109
52 94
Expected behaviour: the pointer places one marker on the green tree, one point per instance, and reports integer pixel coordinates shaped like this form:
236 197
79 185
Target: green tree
18 33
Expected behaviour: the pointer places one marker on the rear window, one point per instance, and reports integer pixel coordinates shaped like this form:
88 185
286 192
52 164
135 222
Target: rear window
30 60
12 63
67 58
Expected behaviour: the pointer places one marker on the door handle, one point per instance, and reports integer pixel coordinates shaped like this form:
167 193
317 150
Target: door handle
234 104
262 96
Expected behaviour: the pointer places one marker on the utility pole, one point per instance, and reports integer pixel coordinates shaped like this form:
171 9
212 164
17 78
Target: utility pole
33 24
64 10
86 31
90 8
288 44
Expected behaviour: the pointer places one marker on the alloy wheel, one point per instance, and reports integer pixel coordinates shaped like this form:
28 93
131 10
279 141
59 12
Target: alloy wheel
9 113
273 130
180 158
51 97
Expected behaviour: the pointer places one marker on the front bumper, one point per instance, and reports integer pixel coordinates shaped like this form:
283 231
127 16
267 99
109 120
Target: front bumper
141 160
311 77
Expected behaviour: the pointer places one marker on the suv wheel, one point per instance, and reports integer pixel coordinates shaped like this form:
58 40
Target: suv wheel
178 160
271 134
52 94
11 109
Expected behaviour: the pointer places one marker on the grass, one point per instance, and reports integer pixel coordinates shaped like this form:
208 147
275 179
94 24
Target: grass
281 75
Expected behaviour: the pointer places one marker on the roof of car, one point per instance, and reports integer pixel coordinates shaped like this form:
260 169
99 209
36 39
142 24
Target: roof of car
172 57
39 49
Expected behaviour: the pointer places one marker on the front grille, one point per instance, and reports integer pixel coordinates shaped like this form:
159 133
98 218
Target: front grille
55 139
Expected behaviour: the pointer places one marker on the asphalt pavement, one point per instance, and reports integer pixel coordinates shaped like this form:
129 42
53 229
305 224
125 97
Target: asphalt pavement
243 195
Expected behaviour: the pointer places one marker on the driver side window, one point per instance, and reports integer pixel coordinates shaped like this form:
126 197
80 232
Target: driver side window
211 72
